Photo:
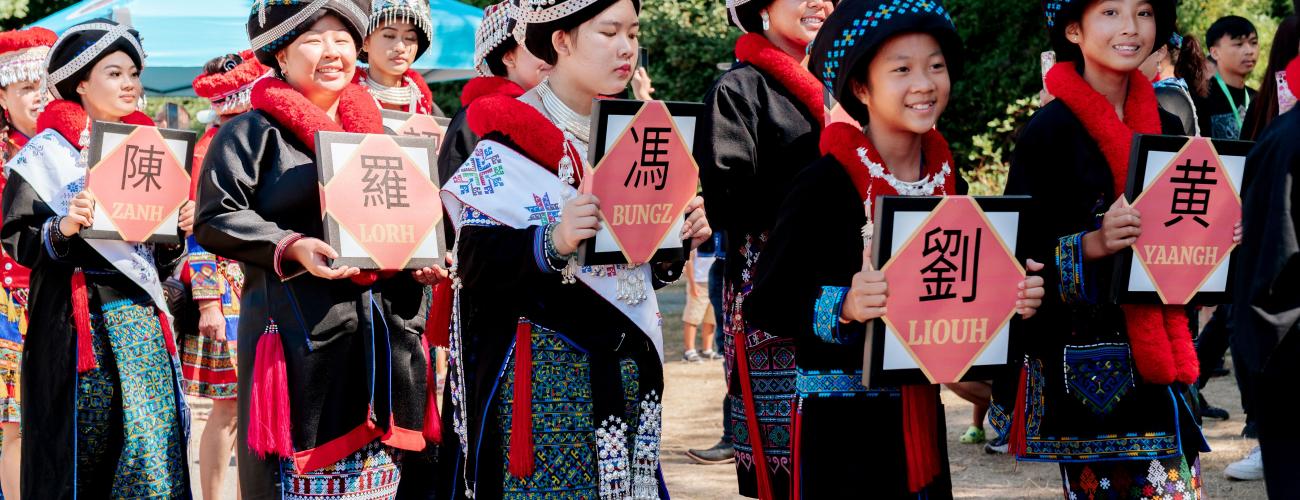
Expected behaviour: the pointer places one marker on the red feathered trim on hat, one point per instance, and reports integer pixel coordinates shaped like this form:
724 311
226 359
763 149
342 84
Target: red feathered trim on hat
1293 76
525 127
69 119
216 85
488 85
756 50
357 111
26 39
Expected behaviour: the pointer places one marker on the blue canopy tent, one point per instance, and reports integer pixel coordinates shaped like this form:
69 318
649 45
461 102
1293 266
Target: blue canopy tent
180 36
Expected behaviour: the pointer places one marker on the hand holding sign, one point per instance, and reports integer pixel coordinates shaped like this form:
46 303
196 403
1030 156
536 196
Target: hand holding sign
578 221
314 256
1030 295
867 295
1120 228
81 213
186 221
697 227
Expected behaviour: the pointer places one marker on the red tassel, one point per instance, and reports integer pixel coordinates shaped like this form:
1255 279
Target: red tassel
1152 352
751 418
919 409
432 419
1016 443
365 278
1180 340
437 328
521 419
268 411
167 332
796 446
81 318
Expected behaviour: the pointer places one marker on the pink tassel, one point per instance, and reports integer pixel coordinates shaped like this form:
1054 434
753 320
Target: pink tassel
268 411
81 318
432 419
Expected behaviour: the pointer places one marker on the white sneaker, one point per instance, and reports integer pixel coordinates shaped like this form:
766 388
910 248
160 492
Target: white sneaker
1250 468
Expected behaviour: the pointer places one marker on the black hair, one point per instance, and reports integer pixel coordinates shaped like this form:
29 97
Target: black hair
1189 64
538 36
494 59
222 64
267 55
1072 12
1230 26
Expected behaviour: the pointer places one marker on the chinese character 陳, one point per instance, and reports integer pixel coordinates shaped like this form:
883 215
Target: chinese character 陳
385 185
1193 199
955 260
144 164
652 170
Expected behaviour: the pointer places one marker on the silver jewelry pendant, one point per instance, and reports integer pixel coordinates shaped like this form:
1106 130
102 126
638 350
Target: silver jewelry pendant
569 275
631 285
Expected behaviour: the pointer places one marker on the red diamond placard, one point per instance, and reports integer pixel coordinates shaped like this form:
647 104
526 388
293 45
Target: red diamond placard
422 126
952 287
382 199
644 182
139 184
1188 214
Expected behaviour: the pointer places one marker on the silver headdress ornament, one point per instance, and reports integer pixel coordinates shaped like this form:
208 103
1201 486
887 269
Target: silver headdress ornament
27 65
491 33
526 12
114 32
415 12
735 18
358 16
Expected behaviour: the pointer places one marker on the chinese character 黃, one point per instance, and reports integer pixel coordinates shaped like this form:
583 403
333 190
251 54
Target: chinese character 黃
1193 199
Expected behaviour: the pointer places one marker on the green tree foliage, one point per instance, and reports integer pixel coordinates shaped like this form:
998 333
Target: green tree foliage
18 13
686 40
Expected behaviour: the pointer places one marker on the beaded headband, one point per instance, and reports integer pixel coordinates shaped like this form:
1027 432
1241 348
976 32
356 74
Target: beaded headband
415 12
731 8
114 32
358 17
1053 9
526 12
492 32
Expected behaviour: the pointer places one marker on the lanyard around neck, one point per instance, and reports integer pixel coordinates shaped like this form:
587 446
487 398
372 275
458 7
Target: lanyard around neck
1236 112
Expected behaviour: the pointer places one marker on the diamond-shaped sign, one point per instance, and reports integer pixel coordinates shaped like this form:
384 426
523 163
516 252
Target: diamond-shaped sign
644 182
423 126
1188 214
139 184
952 287
383 201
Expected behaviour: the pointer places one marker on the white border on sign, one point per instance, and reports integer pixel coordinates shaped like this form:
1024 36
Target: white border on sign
103 222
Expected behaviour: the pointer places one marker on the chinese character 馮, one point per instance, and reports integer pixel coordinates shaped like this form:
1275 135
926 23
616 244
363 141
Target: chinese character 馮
385 185
955 260
652 170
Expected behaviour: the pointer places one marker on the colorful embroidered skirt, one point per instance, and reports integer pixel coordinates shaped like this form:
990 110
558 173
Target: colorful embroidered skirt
1168 479
370 473
574 458
130 430
208 367
13 328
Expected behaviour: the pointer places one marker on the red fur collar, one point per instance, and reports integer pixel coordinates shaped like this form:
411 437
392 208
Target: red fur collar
1159 336
843 141
424 107
488 85
752 48
1293 76
357 111
1115 138
69 119
525 127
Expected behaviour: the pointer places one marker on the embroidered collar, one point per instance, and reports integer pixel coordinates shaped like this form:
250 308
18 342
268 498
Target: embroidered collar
1113 137
752 48
70 120
523 127
488 85
357 111
862 161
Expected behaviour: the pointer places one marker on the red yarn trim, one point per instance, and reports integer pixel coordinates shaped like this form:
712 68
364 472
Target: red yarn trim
69 119
1154 332
200 152
25 39
521 417
331 452
842 141
210 86
268 407
357 111
488 85
752 48
1293 76
525 127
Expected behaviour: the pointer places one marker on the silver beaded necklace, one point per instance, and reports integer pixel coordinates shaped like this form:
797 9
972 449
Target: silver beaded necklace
569 120
400 96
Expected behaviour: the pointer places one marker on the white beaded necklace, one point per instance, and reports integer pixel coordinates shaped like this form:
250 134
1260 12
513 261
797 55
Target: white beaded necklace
568 119
400 96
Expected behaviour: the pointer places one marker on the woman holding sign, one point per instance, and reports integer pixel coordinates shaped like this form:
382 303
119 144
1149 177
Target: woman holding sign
763 119
332 365
1102 390
400 32
556 371
103 411
894 75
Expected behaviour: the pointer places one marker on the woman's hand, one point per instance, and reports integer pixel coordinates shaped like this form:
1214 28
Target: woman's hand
641 85
212 322
578 221
865 300
1030 295
81 213
314 256
696 227
430 275
1237 233
186 221
1120 228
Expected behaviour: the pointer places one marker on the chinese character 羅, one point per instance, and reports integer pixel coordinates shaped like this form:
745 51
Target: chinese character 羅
953 258
385 185
652 170
1193 199
142 163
